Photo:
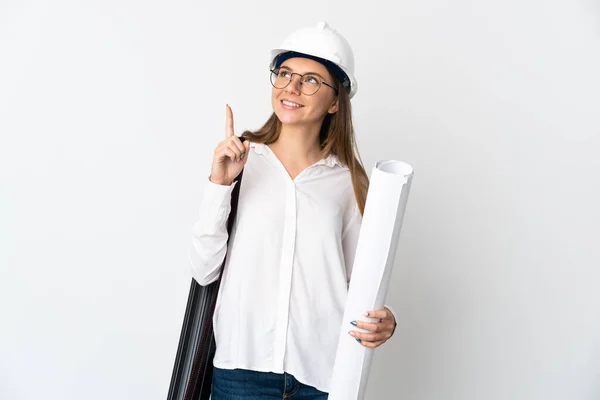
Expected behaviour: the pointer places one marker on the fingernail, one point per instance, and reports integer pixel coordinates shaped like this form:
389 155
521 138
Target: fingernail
353 323
366 314
351 333
358 340
242 156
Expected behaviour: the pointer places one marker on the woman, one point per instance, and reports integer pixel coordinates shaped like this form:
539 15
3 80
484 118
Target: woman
292 246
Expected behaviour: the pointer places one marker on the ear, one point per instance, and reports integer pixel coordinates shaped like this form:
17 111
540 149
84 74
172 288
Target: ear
334 106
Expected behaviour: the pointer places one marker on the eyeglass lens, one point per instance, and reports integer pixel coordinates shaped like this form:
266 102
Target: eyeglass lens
309 84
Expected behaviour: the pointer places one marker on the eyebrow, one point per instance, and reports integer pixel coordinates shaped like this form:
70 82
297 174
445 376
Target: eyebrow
306 73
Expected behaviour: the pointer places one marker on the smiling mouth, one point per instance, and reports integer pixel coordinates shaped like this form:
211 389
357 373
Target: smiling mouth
291 104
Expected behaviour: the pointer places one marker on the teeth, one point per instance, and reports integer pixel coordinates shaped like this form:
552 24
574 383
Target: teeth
289 103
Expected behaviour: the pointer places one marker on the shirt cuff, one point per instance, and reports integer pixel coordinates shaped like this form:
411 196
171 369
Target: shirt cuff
216 204
218 195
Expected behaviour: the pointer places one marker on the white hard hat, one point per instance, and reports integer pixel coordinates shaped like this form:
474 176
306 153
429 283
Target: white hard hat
323 42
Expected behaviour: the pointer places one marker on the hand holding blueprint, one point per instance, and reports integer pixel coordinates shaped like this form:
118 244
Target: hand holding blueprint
373 263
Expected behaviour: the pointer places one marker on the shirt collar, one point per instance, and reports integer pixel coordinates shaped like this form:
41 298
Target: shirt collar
331 160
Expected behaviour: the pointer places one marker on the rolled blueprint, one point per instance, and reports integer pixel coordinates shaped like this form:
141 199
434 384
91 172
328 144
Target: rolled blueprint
373 263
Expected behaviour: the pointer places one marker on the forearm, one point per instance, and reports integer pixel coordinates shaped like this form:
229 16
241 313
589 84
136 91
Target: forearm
209 234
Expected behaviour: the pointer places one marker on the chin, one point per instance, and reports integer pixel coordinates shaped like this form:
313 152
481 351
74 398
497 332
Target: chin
288 118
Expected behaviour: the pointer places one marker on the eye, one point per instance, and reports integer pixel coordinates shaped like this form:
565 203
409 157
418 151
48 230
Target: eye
311 80
284 73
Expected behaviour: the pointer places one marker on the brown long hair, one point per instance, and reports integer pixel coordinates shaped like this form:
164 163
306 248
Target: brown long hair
336 137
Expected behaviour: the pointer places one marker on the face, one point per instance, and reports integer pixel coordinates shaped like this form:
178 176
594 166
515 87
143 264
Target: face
295 108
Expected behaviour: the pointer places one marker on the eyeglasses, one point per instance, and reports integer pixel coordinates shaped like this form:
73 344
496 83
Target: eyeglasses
309 83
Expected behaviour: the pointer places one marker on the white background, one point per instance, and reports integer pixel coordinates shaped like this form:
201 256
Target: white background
109 113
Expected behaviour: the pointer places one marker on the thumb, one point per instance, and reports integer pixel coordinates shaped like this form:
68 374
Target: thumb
247 151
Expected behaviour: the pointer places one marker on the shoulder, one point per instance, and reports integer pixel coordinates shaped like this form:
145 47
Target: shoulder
258 148
334 161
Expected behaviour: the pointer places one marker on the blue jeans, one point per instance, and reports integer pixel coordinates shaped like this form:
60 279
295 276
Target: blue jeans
243 384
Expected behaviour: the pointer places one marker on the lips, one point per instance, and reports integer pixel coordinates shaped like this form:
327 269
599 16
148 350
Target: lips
290 105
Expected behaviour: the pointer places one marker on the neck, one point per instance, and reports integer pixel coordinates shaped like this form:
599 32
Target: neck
298 145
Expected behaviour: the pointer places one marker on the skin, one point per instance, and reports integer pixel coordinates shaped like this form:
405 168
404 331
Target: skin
379 332
298 145
297 148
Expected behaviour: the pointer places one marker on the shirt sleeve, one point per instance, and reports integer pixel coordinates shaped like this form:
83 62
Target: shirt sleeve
350 241
209 233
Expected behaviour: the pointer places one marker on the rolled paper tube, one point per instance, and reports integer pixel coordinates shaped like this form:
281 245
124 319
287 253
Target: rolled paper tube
371 272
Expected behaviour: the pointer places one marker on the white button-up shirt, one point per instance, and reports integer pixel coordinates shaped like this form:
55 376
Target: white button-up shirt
289 262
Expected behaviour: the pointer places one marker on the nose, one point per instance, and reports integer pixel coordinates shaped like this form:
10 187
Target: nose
293 86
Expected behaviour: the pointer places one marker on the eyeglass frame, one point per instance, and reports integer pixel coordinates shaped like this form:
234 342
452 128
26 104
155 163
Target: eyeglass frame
301 76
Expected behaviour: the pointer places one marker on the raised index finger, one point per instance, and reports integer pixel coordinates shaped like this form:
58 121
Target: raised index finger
228 122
